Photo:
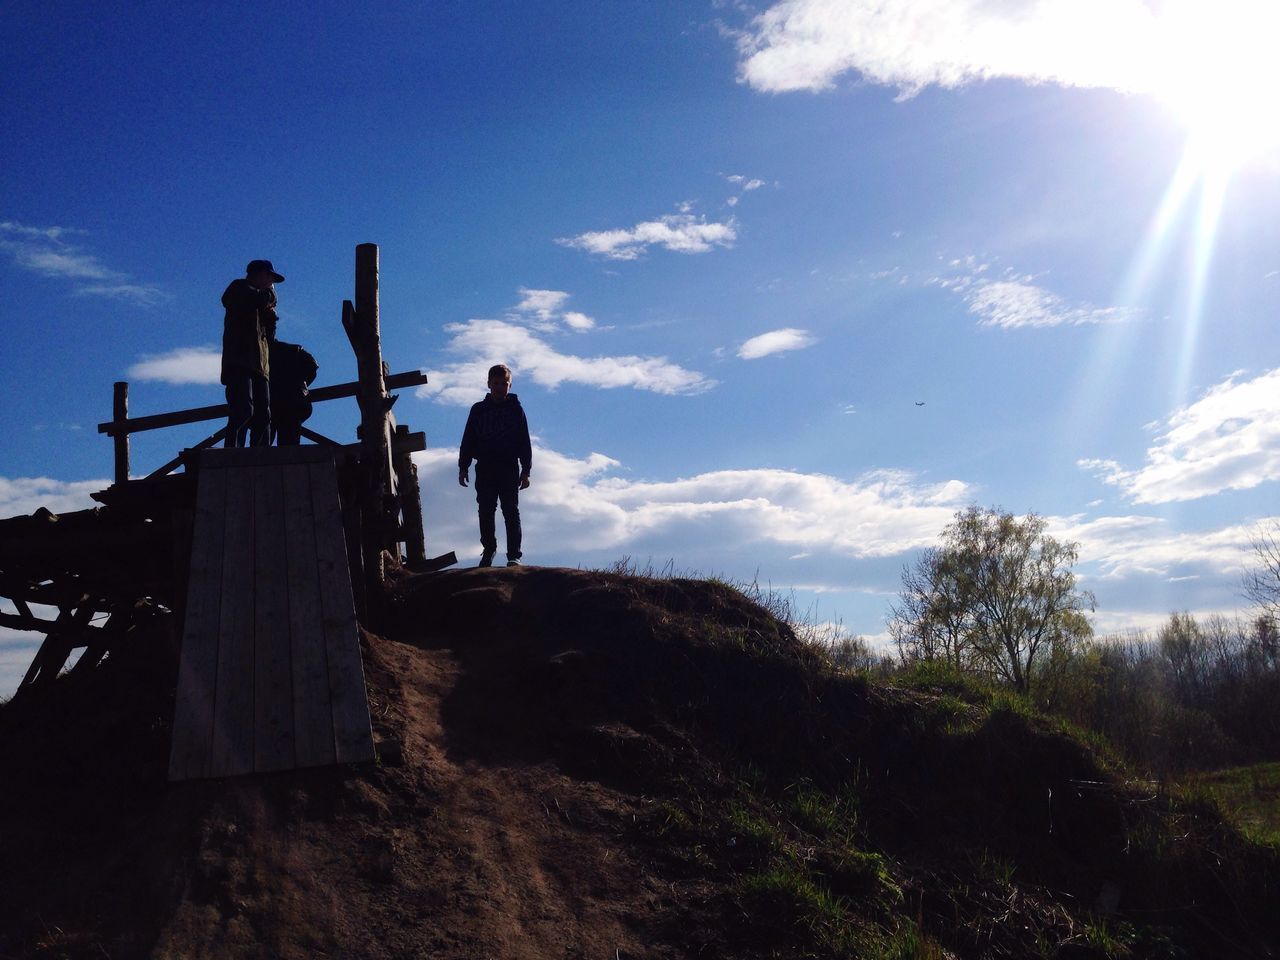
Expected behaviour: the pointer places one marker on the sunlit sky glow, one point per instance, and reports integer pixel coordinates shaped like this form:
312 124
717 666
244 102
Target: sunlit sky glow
784 285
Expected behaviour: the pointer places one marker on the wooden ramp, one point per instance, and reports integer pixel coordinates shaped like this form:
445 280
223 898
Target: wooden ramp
270 676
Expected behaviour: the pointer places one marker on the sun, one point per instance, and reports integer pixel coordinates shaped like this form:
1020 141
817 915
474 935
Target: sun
1215 67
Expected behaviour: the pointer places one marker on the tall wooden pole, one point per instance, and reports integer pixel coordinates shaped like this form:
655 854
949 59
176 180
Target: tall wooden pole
365 333
119 414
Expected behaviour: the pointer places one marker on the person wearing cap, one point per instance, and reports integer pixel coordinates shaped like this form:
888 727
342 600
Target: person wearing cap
246 366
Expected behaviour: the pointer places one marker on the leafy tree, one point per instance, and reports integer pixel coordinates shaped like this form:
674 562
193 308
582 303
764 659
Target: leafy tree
996 597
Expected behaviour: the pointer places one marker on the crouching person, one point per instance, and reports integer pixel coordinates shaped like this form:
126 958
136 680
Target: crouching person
497 439
293 370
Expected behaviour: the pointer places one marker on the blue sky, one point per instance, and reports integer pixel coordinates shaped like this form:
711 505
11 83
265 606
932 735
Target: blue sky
728 249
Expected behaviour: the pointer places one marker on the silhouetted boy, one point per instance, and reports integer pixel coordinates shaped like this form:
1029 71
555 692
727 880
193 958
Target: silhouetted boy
497 438
293 370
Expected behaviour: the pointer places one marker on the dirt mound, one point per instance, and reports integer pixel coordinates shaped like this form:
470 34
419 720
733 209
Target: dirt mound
579 764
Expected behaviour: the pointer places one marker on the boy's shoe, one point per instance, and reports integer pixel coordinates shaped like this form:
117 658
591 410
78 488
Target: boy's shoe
513 563
486 560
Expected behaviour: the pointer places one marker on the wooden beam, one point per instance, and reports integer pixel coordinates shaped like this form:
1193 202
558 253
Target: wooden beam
411 378
319 438
113 631
74 548
410 494
23 591
45 651
176 462
434 563
63 642
120 415
17 621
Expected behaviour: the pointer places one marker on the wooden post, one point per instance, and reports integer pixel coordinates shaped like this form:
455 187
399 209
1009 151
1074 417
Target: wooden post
119 414
410 502
364 330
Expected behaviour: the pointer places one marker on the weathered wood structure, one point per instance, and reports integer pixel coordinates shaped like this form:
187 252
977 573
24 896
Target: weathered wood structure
252 581
270 676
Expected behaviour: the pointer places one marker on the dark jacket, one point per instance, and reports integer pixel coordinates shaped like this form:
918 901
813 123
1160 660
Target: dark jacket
250 312
496 432
292 372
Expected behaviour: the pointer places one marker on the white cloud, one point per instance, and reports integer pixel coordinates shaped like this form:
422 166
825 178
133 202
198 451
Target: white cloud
1129 622
1229 439
544 306
12 228
25 495
1013 300
1133 546
43 251
912 44
541 303
744 184
183 365
61 263
578 321
1017 303
482 343
680 233
776 341
586 505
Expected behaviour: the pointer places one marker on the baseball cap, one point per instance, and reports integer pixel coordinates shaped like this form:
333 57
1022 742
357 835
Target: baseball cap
257 266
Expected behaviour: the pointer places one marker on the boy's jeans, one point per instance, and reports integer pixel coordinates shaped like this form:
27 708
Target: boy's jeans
248 411
499 483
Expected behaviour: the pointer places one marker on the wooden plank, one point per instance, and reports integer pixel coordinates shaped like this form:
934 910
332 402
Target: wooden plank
232 752
273 679
218 411
198 664
353 734
312 715
263 456
353 533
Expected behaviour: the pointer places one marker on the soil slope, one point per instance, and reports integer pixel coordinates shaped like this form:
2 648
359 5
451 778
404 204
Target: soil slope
579 764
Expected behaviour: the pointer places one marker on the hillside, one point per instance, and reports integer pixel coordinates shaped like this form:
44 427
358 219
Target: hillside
580 764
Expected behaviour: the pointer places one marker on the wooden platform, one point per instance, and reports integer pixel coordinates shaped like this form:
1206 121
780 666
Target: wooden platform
270 675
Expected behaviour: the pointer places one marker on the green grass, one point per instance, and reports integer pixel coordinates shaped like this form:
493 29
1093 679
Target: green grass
788 899
1249 797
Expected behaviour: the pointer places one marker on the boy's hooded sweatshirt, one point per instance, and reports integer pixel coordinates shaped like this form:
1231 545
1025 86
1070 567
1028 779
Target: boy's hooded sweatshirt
496 432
